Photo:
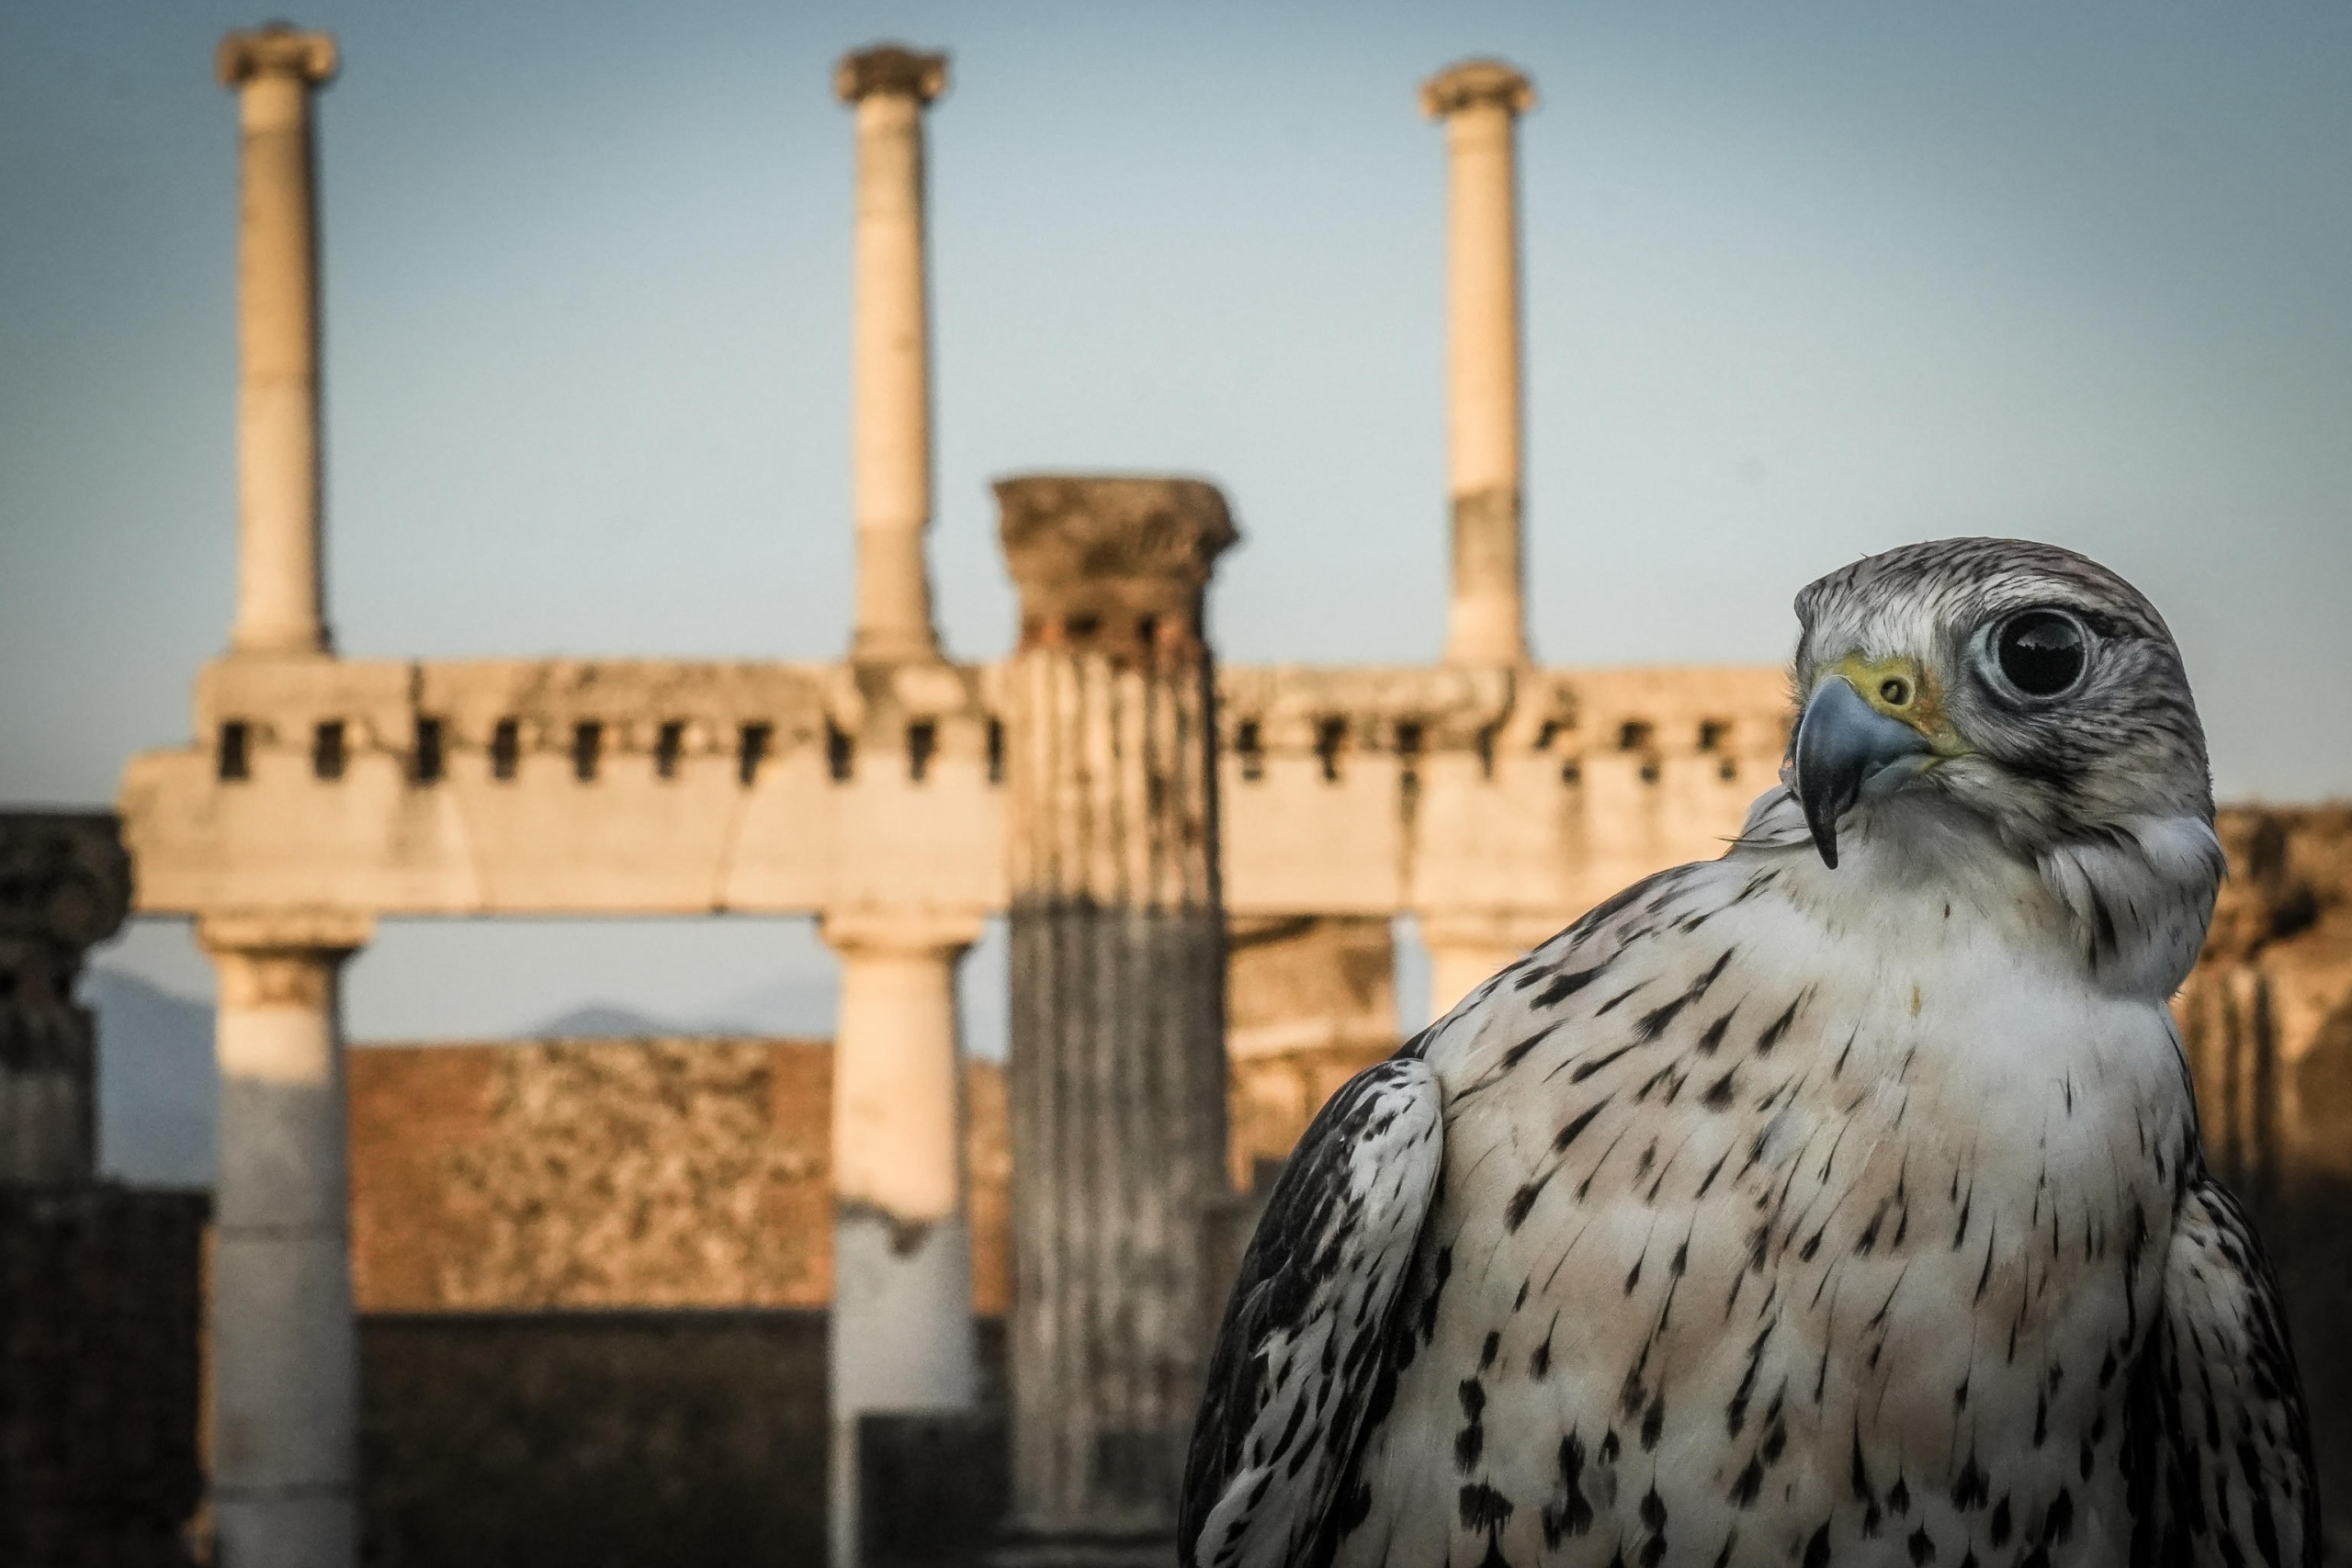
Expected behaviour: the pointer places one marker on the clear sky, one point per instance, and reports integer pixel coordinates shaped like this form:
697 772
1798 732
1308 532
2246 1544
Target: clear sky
1803 281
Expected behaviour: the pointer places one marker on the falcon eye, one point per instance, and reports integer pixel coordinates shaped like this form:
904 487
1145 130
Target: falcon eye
2041 651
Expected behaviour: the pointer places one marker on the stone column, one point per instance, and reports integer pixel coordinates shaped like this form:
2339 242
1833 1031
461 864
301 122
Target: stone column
1463 954
65 884
901 1328
279 596
891 418
1117 1072
1480 101
285 1365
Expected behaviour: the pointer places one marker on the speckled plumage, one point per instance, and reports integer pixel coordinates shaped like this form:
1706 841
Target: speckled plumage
1792 1214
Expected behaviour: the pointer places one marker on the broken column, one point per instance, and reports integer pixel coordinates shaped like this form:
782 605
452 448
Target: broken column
891 418
65 885
1117 1072
902 1339
285 1365
1480 101
98 1282
279 597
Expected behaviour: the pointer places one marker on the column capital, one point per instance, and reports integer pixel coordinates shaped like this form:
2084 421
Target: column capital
890 68
276 49
64 879
337 933
899 930
1110 562
1470 83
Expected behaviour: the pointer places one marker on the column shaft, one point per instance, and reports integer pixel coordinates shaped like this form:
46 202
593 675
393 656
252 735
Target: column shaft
890 419
285 1445
279 573
902 1326
1460 967
1480 103
1117 1075
1467 947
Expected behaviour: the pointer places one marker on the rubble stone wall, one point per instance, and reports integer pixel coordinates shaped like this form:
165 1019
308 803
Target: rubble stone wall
688 1174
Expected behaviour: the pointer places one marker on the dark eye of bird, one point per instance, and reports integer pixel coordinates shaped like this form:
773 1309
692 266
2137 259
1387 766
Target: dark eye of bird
2042 652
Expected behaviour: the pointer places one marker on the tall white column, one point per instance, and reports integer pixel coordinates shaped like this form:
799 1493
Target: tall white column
1468 948
279 596
1480 101
285 1359
1460 966
890 329
901 1328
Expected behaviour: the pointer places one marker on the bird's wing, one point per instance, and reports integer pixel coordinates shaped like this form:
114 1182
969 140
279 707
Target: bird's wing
1302 1359
2220 1452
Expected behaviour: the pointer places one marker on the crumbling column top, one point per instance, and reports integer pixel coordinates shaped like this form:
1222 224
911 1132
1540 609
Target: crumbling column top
65 877
1101 559
900 931
1470 83
317 930
276 49
890 68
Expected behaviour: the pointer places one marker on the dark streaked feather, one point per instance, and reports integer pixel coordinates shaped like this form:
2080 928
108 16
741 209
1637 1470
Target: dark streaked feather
2219 1450
1302 1349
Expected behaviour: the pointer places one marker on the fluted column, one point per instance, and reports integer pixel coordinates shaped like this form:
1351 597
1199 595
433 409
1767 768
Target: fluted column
1480 101
901 1327
65 884
890 348
1117 1070
279 596
284 1364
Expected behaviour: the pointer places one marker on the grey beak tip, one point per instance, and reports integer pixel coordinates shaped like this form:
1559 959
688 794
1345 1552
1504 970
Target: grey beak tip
1841 741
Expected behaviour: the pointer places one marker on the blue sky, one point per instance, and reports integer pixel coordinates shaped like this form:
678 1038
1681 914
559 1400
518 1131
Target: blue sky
1803 281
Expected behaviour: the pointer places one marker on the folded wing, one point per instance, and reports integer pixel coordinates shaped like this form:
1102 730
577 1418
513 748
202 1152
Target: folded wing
1300 1362
2222 1453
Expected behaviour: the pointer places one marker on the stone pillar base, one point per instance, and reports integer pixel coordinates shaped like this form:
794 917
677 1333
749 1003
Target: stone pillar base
935 1487
289 1531
901 1344
1082 1548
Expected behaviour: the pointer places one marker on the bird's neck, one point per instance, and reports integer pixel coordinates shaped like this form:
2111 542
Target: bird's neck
2123 909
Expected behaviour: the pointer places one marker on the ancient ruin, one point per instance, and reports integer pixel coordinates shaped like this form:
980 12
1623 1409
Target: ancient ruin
1132 805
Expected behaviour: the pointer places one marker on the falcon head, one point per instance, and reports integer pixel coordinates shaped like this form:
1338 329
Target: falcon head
2023 694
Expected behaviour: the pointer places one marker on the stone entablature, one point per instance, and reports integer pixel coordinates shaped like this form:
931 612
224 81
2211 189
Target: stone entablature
657 786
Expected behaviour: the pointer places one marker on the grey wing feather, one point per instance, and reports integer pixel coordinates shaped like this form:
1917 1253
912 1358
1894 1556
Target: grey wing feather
1301 1354
2220 1449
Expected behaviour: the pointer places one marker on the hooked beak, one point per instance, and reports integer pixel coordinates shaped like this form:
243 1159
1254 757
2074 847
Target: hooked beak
1842 741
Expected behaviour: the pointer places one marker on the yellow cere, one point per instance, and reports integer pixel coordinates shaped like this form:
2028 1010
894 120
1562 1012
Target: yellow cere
1905 690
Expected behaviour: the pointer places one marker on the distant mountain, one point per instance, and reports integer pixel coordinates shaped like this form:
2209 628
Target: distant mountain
593 1021
158 1092
800 1006
797 1005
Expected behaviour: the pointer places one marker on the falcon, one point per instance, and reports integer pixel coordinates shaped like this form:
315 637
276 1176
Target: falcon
1837 1201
